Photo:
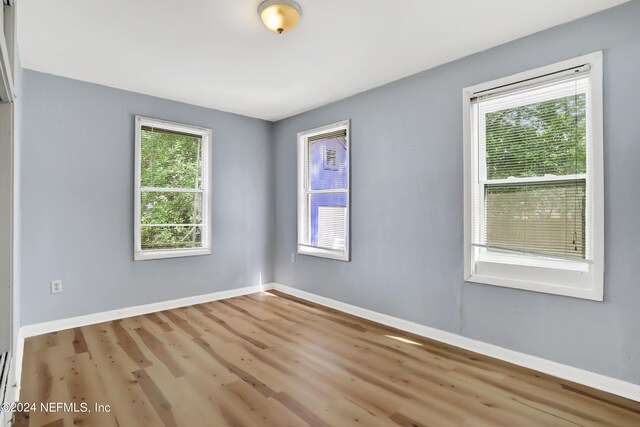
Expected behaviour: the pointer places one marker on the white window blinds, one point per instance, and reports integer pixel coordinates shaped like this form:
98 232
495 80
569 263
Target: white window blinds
531 169
332 221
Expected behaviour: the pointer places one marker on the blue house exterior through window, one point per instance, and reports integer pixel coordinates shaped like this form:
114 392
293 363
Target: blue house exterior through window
323 198
328 170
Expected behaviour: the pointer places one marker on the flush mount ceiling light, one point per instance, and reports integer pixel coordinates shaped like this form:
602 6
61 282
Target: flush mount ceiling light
279 16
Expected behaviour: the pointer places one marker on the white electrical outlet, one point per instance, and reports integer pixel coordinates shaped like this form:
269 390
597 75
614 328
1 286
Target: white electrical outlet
293 257
56 286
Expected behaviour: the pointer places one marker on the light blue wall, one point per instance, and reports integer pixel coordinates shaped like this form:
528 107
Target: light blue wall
76 202
407 202
76 185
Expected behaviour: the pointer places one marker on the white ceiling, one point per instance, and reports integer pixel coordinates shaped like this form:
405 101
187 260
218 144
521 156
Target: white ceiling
217 54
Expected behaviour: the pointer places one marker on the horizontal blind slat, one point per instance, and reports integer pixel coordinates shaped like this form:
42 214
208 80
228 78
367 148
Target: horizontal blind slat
342 133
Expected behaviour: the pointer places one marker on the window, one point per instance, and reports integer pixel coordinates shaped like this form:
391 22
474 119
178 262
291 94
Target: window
323 191
171 190
534 181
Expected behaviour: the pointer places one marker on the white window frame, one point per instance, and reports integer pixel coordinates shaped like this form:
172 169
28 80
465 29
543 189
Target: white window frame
206 135
580 279
303 211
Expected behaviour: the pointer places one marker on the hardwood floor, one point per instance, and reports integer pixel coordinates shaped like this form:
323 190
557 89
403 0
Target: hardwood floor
271 360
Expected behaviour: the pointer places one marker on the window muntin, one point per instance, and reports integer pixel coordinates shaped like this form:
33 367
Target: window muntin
171 189
323 202
533 179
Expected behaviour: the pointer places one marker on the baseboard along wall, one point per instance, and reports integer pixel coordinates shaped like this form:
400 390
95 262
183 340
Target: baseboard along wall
570 373
580 376
121 313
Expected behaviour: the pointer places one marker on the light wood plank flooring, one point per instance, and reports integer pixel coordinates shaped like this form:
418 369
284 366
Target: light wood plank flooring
271 360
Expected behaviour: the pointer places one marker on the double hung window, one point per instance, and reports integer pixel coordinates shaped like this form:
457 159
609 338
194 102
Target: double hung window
323 191
171 190
533 163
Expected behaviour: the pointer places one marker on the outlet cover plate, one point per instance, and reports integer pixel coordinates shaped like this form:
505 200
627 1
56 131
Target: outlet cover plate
56 286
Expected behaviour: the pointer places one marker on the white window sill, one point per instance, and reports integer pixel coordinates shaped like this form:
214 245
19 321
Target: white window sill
577 283
323 253
532 261
170 253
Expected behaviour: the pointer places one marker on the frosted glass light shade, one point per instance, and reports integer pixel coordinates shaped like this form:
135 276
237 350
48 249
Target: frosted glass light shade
279 16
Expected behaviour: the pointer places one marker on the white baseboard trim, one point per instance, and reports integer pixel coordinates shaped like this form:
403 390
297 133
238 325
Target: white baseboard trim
122 313
580 376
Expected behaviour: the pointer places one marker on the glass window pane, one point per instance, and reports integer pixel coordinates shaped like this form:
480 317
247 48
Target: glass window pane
171 208
545 218
328 220
544 138
171 237
327 163
170 159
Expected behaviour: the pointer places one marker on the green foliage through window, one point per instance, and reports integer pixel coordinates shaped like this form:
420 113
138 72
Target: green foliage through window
170 159
171 219
537 139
